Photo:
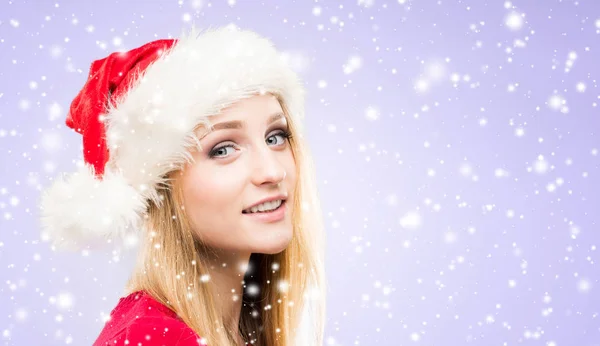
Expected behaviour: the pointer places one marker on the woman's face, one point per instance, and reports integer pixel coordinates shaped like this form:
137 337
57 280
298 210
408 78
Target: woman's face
246 159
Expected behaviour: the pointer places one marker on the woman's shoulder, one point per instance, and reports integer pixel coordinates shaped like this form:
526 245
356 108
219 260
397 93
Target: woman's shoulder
138 319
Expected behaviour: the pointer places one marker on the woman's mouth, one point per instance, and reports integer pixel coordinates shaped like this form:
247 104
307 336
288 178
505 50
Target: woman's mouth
270 213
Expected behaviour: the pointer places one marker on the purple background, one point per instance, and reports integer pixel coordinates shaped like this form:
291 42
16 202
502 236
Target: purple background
457 152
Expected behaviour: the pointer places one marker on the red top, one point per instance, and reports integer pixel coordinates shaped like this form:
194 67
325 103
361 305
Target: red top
139 319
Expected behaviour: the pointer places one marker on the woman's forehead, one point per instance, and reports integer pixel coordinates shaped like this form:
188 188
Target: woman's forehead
253 106
257 109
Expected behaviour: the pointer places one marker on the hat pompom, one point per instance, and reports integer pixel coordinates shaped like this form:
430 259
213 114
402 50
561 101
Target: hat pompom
82 209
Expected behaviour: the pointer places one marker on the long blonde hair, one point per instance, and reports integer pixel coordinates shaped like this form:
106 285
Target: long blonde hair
171 262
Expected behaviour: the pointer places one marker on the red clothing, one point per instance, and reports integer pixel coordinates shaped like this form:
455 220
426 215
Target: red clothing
140 320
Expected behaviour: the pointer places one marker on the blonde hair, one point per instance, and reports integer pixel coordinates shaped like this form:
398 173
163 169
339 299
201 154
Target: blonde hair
171 262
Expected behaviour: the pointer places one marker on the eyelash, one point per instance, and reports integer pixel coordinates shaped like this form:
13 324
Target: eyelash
286 134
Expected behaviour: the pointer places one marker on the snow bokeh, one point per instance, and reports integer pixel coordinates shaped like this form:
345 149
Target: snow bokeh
456 147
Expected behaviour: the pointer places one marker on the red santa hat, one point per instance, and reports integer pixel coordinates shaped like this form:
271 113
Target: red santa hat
137 113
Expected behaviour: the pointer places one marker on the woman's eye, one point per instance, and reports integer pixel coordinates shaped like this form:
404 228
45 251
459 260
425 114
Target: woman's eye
283 135
221 151
224 150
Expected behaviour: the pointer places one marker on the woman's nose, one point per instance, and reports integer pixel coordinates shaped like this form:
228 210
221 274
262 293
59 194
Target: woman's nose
268 168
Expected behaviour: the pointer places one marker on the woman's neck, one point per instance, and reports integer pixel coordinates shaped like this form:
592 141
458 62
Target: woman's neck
226 271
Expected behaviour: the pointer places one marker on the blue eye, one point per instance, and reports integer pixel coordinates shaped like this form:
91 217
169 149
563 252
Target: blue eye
221 152
286 135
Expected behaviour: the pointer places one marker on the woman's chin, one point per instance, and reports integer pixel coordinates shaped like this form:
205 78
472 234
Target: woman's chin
273 245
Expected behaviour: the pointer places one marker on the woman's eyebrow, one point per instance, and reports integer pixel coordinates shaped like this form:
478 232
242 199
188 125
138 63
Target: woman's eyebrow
238 124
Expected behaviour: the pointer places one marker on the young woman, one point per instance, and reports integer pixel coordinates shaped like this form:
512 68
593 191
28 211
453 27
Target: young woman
194 147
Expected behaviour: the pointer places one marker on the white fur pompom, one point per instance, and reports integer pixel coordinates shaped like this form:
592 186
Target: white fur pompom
82 211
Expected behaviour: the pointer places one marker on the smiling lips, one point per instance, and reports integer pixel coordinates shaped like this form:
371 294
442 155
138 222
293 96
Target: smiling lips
267 215
264 207
266 204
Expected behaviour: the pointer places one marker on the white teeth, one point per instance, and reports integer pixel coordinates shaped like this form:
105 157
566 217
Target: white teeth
268 206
